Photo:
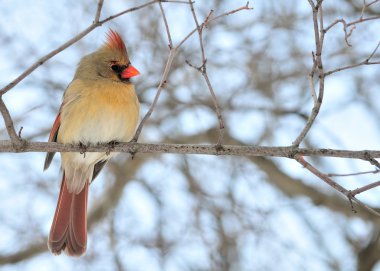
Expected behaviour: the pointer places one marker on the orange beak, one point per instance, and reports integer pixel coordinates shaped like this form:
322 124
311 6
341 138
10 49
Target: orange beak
129 72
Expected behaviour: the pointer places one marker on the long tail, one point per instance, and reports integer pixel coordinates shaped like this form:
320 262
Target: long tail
69 228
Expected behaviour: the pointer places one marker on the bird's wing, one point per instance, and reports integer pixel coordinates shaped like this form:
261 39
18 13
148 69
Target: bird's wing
54 130
98 167
53 138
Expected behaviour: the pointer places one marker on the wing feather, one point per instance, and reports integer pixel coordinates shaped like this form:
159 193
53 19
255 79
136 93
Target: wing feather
53 138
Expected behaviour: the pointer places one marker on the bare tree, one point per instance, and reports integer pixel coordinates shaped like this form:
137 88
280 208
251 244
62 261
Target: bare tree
270 95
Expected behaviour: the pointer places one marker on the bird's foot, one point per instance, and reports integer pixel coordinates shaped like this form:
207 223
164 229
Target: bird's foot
111 146
83 149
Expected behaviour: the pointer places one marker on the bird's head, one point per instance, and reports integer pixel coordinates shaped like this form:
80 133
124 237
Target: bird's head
110 61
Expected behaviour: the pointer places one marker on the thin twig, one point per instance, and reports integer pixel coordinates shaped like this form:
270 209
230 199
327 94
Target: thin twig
4 111
174 1
371 3
98 11
351 67
337 187
208 18
246 7
166 24
367 187
363 9
20 131
9 124
348 32
127 11
203 70
312 88
173 52
43 59
366 61
67 44
200 30
216 106
311 80
353 174
311 3
361 20
322 176
373 53
317 61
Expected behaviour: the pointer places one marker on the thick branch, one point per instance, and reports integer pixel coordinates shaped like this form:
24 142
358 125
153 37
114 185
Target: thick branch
234 150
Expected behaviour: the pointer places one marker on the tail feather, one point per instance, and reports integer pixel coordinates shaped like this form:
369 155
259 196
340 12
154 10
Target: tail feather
69 228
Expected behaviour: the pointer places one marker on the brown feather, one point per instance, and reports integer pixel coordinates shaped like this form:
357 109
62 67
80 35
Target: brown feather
53 138
69 228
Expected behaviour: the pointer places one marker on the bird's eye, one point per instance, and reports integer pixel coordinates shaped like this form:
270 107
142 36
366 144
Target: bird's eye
115 68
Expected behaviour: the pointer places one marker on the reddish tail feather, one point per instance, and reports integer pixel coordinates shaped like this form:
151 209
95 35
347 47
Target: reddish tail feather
69 228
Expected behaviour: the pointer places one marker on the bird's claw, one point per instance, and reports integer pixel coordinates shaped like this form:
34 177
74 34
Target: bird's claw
83 149
111 146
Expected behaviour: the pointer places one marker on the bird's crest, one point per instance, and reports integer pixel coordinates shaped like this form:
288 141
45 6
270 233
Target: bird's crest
115 42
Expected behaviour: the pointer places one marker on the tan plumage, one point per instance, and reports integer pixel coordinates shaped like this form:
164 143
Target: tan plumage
100 105
102 111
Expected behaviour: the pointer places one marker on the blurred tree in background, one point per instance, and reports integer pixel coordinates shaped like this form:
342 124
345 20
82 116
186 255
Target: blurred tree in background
197 212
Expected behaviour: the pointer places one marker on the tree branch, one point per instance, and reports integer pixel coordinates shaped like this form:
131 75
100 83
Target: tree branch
364 62
336 186
292 187
203 70
67 44
98 11
364 188
16 140
353 174
348 32
166 24
211 149
317 67
172 54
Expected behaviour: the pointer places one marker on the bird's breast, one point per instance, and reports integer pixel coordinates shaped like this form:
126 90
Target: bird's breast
100 112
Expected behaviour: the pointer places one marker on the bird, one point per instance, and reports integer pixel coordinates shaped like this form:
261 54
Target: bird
100 105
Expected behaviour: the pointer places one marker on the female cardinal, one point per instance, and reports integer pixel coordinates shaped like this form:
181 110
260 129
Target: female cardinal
100 105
